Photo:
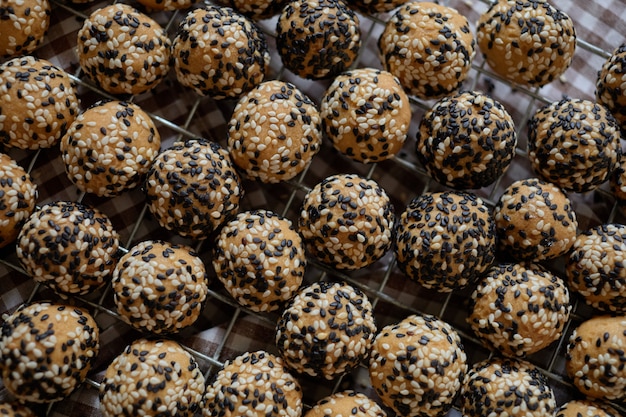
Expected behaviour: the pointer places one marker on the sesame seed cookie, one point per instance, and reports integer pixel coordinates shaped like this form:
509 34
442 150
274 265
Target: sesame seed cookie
535 220
417 366
274 132
370 7
47 350
429 47
519 309
466 141
123 50
168 5
18 196
526 42
617 182
585 408
259 257
254 384
595 357
39 103
596 269
23 25
326 330
366 114
444 241
192 188
255 9
346 403
611 85
574 143
317 39
159 287
219 53
68 246
15 409
109 148
347 221
152 377
506 387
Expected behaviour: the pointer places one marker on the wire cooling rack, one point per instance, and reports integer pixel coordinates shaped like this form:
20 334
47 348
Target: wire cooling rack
225 329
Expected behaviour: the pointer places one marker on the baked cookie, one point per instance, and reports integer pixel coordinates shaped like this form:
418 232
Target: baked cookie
346 403
15 409
255 9
168 5
23 25
611 87
18 196
585 408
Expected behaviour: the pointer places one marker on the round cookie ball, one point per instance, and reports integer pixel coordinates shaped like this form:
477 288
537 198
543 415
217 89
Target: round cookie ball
366 114
15 409
370 7
535 220
466 141
259 257
596 268
519 309
326 330
529 43
39 103
274 132
192 187
574 144
219 53
159 287
255 9
68 246
23 25
347 221
109 148
585 408
595 357
611 85
123 50
501 387
152 377
346 403
18 195
254 384
429 47
617 182
445 241
168 5
317 39
46 351
417 366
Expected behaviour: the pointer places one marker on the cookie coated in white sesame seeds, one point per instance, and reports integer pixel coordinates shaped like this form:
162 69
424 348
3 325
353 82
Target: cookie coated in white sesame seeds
159 287
500 387
417 366
259 257
617 183
370 7
109 148
46 350
15 409
274 132
585 408
39 103
168 5
519 309
366 114
123 50
445 240
23 25
326 330
152 378
253 384
18 196
528 42
71 247
345 404
255 9
192 188
219 53
429 47
611 85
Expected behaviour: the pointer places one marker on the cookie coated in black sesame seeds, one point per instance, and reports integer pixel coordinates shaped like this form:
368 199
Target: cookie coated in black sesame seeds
529 42
253 384
168 5
611 85
429 47
370 7
445 240
192 187
255 9
46 350
39 103
317 39
23 25
574 143
274 132
466 141
71 247
18 196
326 330
347 221
417 366
346 403
501 387
219 53
15 409
585 408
